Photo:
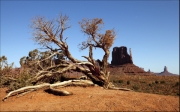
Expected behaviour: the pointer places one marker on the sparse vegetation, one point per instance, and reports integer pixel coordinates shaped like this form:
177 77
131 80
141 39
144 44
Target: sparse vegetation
22 81
177 84
165 85
6 75
156 82
135 87
120 81
128 82
162 82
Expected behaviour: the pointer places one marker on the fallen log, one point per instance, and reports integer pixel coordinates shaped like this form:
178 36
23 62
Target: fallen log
25 89
58 92
50 88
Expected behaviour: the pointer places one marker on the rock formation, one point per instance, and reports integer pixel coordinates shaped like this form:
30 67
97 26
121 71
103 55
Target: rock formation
166 72
122 63
127 69
130 54
165 69
120 56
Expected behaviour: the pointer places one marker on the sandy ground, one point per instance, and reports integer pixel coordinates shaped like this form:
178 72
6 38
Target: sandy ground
90 99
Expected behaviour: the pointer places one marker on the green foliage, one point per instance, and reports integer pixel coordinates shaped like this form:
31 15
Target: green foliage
22 81
11 80
135 87
164 85
5 71
118 81
4 82
44 57
22 61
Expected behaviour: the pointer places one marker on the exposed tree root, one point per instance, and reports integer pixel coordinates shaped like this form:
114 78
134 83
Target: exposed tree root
22 94
25 89
58 92
112 87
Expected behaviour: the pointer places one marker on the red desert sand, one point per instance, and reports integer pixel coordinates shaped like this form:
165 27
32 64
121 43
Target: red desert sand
89 99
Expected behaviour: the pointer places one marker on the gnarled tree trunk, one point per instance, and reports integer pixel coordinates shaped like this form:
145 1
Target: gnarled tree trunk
51 32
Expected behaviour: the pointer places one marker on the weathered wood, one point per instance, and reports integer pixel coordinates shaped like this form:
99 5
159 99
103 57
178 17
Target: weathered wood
58 92
50 88
24 89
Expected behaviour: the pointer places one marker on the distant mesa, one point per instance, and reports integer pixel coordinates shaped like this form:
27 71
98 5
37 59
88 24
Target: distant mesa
165 72
122 62
120 56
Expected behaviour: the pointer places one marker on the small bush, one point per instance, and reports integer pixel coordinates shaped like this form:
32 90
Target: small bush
142 82
156 82
22 81
14 86
135 88
115 81
128 82
178 94
150 85
177 84
162 82
4 82
120 81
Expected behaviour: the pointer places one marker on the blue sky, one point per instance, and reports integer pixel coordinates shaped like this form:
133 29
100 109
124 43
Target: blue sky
149 28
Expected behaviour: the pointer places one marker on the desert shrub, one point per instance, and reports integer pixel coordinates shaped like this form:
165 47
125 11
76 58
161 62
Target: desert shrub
135 88
6 75
53 79
22 81
150 85
114 81
120 81
5 68
162 82
117 81
178 94
177 84
13 86
142 82
156 82
4 82
128 82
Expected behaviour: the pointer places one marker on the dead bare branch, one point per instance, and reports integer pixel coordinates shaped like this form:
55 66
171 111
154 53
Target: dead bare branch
50 87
